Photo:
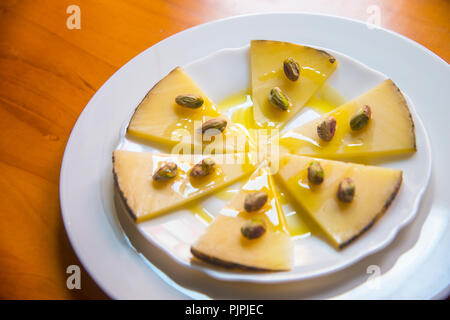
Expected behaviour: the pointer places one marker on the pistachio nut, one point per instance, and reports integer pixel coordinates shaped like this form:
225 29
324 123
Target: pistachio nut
361 118
279 99
253 229
327 128
214 126
346 190
255 201
203 168
291 69
167 171
189 101
315 172
331 59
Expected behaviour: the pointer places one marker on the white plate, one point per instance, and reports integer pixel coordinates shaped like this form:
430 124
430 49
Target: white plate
86 189
175 232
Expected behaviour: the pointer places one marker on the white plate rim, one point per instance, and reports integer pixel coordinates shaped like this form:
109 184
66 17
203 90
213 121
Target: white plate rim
89 264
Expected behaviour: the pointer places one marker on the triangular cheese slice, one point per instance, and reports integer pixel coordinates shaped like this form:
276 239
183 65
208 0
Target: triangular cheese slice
375 189
266 60
389 131
223 244
145 198
159 119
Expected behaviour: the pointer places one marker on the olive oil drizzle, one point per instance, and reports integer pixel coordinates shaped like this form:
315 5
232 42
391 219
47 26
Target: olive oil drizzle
238 108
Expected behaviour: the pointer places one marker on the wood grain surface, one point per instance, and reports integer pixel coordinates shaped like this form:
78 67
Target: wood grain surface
48 73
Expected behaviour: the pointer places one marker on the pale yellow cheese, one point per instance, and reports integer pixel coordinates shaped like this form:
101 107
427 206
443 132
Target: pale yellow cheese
266 60
223 243
375 189
159 119
389 131
146 198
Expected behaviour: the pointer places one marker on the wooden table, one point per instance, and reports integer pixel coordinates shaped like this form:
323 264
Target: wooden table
48 73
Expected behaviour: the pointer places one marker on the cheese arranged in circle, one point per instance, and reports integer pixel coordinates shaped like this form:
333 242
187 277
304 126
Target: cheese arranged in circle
266 60
223 244
145 198
375 189
389 131
159 119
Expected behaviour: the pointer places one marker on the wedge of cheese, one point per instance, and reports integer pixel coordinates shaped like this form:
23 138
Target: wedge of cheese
146 198
375 189
223 243
389 131
159 119
266 60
